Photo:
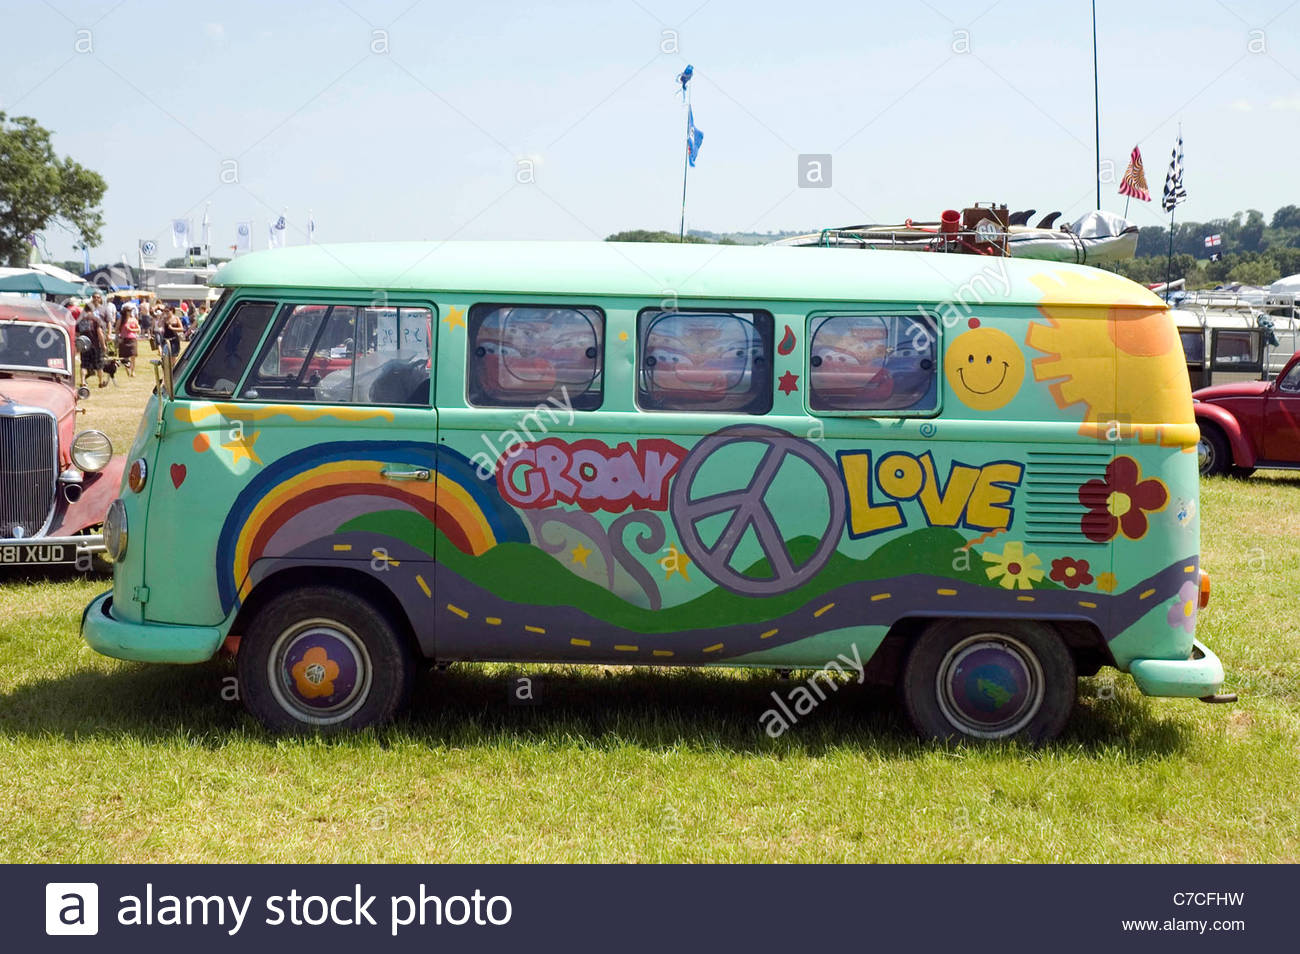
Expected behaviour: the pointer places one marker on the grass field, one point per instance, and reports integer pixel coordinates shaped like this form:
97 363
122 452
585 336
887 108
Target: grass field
108 761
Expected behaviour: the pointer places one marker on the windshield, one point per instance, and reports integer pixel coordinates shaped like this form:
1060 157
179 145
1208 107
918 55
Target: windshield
27 345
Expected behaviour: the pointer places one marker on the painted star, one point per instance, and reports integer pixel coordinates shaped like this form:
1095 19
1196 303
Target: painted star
789 383
675 562
580 554
455 319
242 447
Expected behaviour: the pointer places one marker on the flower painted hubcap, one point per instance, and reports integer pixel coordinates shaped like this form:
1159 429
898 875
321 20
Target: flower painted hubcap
990 686
319 671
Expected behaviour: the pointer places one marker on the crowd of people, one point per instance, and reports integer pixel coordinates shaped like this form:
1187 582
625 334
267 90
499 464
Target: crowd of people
112 333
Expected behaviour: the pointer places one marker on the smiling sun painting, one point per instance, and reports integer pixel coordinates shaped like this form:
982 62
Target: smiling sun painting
1089 326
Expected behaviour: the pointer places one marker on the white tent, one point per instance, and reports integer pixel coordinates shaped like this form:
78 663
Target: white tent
1286 286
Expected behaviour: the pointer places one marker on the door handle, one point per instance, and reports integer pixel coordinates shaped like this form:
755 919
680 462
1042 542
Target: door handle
420 474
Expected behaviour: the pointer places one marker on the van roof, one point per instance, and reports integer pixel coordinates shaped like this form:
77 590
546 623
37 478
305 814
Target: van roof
659 270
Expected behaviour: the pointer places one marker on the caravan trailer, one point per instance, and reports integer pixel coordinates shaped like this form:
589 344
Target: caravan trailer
1228 338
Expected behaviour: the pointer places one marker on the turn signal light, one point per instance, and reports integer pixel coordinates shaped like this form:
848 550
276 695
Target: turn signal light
139 473
1205 590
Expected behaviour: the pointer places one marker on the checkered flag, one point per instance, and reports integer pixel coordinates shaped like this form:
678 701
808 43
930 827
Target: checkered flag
1175 192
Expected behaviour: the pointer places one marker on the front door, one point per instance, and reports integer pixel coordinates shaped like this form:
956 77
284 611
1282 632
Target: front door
1282 417
304 436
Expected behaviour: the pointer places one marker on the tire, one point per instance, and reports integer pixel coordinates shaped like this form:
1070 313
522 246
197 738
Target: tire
989 680
322 658
1213 453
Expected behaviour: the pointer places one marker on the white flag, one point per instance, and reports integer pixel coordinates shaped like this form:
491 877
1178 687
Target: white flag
279 229
244 236
204 236
148 252
181 233
311 226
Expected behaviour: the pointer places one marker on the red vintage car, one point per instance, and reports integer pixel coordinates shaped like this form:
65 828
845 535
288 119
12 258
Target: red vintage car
55 484
1250 424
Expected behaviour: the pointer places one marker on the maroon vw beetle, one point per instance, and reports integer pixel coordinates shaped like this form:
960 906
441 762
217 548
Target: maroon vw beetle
55 484
1250 424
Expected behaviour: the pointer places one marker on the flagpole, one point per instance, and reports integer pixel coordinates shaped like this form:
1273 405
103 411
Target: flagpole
1096 104
1169 265
686 168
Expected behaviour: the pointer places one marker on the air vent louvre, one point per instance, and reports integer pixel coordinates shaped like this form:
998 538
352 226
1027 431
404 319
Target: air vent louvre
1052 513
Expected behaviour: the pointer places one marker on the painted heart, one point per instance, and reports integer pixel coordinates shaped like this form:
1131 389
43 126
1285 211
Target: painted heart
178 475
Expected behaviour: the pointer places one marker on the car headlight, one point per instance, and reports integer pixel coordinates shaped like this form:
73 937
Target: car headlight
115 530
91 451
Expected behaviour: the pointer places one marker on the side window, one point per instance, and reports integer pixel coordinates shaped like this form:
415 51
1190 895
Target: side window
704 361
1291 383
1193 345
344 354
872 363
1237 350
221 368
522 355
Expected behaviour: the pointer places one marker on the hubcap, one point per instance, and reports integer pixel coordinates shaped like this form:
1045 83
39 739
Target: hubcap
319 671
1204 454
990 686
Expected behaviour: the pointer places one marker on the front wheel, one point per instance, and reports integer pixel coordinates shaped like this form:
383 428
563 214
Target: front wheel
989 680
324 658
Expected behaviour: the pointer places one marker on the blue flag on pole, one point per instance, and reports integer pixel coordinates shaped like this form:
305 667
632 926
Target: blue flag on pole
693 136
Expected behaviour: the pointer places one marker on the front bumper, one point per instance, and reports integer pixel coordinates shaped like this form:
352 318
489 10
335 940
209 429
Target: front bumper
50 551
1201 674
145 642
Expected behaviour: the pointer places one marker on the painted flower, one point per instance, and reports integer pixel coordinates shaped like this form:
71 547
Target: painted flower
314 674
1071 572
1183 612
1016 569
1120 502
1107 582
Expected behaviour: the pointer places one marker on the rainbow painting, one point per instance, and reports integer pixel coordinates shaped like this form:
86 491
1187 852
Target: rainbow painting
307 495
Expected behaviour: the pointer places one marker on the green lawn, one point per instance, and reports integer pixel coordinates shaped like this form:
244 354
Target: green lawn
109 761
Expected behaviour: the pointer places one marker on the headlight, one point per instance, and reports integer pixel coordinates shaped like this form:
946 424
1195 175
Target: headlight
91 451
115 530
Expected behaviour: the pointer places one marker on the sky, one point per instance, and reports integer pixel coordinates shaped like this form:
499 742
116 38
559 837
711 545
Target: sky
395 119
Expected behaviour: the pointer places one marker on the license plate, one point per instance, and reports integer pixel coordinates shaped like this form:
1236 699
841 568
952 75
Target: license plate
25 554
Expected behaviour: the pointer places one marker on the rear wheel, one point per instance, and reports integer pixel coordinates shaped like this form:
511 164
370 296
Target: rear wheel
323 658
989 680
1213 454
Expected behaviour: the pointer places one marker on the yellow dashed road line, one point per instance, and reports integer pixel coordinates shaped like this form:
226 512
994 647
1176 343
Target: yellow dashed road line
534 629
424 586
1143 596
492 620
663 652
946 592
342 547
770 633
1086 605
879 596
626 649
828 607
575 641
463 614
714 648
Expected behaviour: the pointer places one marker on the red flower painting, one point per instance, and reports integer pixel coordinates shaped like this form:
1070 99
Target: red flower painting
1120 502
1071 573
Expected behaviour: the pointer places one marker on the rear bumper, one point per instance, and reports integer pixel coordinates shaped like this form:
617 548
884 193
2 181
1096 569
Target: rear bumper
145 642
1201 674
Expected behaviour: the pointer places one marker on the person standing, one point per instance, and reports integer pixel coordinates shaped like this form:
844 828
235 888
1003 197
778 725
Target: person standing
173 330
92 356
128 338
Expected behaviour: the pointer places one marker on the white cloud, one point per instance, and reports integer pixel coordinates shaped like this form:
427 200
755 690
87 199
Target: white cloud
1289 104
1242 106
214 31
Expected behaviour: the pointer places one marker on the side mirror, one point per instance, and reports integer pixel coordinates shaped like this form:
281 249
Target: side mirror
168 368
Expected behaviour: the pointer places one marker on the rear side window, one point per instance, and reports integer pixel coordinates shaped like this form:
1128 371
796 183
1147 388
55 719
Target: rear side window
872 363
522 355
704 361
344 354
1237 350
219 373
1193 345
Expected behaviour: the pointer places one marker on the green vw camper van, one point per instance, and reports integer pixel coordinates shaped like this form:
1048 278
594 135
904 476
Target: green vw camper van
976 475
